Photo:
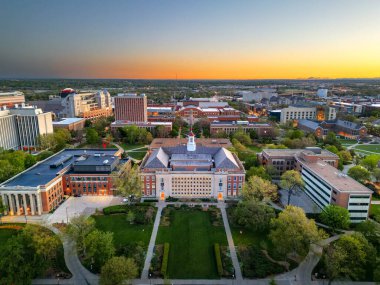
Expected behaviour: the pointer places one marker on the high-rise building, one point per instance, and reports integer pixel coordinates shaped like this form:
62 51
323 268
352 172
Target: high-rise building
10 99
21 127
131 107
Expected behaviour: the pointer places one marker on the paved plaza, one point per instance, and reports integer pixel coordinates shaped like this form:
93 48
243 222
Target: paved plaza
300 199
75 206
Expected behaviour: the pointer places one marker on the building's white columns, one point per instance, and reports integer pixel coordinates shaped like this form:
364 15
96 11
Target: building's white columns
17 205
10 201
32 204
39 203
5 202
25 204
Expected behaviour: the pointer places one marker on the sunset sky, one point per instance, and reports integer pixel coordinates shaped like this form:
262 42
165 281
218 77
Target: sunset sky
190 39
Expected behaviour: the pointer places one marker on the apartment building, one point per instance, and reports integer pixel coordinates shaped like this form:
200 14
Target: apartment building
21 127
131 107
88 105
318 113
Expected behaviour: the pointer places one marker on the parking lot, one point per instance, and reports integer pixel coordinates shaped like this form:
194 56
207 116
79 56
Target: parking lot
87 205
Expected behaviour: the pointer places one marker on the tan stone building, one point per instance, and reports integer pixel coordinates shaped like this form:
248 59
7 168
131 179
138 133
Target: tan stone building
191 170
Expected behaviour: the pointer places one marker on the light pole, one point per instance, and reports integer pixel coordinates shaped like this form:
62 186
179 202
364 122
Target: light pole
67 217
150 280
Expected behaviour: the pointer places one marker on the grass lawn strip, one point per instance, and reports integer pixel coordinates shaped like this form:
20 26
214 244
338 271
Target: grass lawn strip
191 236
124 232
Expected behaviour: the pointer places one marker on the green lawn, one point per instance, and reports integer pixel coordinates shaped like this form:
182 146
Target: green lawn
6 234
369 147
124 232
137 154
254 148
375 210
245 237
191 236
347 141
130 146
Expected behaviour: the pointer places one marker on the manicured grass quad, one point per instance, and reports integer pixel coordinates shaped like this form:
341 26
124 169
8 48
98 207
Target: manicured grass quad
124 232
369 147
192 237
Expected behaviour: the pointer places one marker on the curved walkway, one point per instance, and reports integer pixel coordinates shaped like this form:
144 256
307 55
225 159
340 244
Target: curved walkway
80 275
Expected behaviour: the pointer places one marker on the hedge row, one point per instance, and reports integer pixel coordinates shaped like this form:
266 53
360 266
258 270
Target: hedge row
165 259
218 259
120 209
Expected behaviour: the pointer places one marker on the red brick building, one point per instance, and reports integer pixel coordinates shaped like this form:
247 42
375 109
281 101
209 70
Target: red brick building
131 107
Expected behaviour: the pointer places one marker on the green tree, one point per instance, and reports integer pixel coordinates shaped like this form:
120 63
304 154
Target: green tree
78 228
332 148
335 217
44 242
359 173
259 171
253 215
291 181
99 248
292 232
127 181
371 231
259 189
242 137
251 161
353 256
130 217
18 262
345 155
370 161
376 174
117 270
92 136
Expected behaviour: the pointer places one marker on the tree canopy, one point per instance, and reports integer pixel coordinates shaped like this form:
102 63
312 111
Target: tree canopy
253 215
127 181
291 181
117 270
259 189
292 232
359 173
336 217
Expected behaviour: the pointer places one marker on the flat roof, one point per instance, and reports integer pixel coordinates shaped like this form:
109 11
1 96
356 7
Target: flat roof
67 121
289 152
41 173
96 160
334 177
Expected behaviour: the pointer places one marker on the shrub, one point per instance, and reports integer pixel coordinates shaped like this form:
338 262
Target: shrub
165 259
117 209
218 259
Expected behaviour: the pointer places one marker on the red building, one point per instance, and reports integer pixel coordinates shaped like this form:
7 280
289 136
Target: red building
131 107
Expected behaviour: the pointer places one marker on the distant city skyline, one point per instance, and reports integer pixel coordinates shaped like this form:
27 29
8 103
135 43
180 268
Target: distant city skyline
209 39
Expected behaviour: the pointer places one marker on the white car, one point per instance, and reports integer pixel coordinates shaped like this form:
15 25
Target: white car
125 200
